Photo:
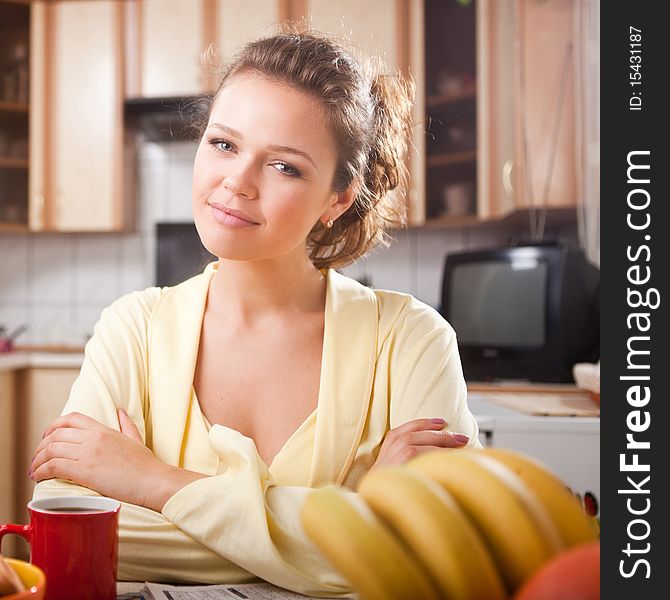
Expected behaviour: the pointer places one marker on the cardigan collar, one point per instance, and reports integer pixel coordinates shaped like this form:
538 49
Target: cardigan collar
347 369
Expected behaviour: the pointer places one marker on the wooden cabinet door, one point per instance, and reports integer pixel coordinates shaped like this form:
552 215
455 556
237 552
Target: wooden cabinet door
526 113
42 395
76 130
240 22
7 455
172 38
374 25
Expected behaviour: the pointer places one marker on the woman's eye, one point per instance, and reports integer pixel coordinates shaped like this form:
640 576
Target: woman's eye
286 169
222 145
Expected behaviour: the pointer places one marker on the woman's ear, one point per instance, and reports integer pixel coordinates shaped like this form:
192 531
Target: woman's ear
343 200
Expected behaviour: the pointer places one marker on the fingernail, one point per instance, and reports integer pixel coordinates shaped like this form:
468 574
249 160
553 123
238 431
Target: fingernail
438 421
461 437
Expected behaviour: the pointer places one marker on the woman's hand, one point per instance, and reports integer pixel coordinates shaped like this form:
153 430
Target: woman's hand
114 464
414 437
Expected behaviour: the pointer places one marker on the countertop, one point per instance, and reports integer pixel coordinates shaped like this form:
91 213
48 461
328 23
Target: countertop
14 361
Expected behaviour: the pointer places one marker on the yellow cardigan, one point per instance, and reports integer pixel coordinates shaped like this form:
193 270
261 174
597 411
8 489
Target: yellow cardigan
387 359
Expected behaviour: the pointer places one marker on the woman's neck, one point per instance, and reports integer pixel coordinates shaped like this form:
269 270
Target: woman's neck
246 292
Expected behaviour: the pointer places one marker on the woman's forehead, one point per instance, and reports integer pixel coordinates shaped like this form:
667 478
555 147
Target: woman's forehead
252 104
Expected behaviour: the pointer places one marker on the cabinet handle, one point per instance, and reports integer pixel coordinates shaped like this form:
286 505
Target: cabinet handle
507 169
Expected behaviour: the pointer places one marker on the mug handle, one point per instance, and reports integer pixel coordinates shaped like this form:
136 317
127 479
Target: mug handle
22 530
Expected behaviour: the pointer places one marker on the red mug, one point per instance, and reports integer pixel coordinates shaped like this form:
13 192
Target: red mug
75 541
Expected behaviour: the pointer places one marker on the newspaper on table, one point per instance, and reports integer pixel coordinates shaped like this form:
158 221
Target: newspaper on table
250 591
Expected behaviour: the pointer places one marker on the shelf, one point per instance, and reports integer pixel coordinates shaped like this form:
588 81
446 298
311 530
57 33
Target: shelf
446 221
469 93
13 227
557 217
13 163
13 107
452 158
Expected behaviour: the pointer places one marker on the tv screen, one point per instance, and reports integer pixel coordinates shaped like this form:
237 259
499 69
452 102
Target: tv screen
509 307
179 253
522 312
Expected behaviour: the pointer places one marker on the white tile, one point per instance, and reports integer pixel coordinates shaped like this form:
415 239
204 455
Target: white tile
357 270
182 151
432 248
149 249
152 152
85 319
136 265
14 269
152 195
477 239
391 268
179 192
97 269
52 270
13 316
51 326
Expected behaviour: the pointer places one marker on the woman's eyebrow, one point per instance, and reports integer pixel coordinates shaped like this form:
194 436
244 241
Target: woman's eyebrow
273 147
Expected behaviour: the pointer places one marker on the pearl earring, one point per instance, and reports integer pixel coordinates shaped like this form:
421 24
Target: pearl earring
329 223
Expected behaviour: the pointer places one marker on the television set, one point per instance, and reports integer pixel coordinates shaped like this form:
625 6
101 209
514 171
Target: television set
179 253
527 312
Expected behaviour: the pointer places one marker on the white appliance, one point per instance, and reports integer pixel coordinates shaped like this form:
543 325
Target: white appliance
568 446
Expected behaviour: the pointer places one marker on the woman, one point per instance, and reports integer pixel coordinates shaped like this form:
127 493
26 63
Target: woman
212 408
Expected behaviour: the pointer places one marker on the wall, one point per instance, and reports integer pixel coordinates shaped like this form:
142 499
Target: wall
59 283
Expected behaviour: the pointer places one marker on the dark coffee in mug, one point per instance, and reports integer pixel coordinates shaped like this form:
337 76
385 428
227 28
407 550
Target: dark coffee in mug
74 509
74 540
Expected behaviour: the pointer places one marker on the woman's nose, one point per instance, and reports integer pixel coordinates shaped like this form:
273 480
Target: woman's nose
241 182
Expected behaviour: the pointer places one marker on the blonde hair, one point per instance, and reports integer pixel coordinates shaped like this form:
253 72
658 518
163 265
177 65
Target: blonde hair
368 112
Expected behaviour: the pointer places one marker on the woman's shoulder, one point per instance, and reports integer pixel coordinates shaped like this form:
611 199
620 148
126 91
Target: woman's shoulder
142 304
399 311
132 310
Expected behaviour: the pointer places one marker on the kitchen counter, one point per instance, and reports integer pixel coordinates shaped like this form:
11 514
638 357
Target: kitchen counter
14 361
568 445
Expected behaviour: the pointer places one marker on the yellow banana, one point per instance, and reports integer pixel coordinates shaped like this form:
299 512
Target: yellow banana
573 523
430 522
364 551
517 529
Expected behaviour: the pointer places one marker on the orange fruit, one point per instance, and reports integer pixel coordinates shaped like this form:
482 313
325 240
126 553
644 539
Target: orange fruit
574 574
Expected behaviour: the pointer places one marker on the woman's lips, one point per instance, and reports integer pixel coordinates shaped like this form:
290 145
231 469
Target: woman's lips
231 217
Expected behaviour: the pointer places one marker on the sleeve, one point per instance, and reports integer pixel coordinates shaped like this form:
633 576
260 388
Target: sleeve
256 522
426 376
223 529
113 376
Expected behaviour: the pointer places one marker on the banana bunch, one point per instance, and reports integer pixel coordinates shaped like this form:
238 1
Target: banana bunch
470 524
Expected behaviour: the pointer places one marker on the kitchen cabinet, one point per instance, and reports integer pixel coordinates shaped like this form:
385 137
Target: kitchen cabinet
41 394
7 454
62 138
373 26
498 116
528 74
188 68
14 86
77 180
33 392
166 39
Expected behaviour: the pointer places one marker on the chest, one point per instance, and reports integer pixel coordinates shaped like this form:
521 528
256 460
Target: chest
263 384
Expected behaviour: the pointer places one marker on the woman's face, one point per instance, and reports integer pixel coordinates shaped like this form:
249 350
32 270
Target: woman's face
263 171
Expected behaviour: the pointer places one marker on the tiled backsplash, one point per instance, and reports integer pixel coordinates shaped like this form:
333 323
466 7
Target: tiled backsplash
58 283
